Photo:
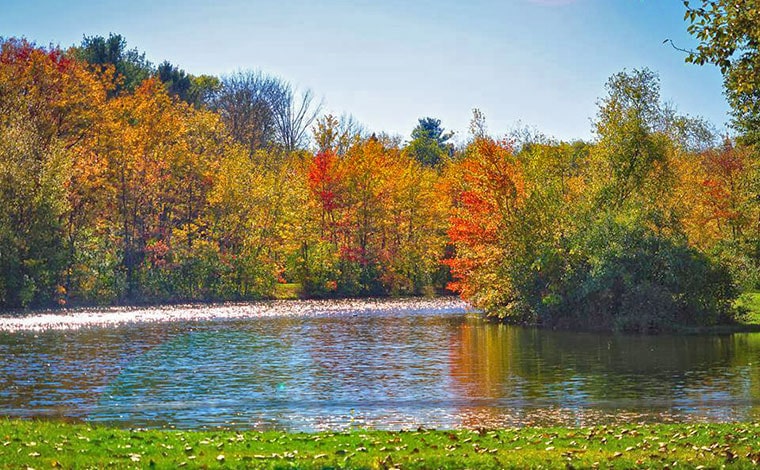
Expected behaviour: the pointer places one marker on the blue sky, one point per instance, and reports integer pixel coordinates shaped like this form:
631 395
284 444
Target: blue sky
537 63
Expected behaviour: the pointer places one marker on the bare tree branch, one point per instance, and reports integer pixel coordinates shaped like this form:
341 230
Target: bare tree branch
676 47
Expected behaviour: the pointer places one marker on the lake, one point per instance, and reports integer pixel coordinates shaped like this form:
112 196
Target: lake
388 364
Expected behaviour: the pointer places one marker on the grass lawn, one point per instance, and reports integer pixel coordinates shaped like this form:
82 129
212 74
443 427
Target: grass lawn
749 322
290 291
751 302
42 444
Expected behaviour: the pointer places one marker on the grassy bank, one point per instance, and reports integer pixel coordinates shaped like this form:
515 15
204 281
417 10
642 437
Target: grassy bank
39 444
750 303
748 321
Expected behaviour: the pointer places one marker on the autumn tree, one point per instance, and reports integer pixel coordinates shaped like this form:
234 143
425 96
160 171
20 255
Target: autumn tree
337 134
488 198
416 230
51 108
716 192
255 207
162 159
380 221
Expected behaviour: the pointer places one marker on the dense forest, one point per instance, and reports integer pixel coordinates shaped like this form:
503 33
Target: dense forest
123 182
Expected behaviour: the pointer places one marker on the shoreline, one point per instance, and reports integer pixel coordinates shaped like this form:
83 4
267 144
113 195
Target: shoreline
116 315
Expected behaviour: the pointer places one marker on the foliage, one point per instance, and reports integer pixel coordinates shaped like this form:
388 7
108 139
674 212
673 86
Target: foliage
337 134
720 209
47 106
33 201
130 66
53 444
379 220
188 88
749 302
123 184
582 236
485 220
632 279
429 142
728 38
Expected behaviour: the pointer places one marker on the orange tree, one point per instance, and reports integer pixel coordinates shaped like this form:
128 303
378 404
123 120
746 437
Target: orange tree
485 222
378 223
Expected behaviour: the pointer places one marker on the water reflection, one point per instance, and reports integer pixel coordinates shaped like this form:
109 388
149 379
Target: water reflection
581 377
392 366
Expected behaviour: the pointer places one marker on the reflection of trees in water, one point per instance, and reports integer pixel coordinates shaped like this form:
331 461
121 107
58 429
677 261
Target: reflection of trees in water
306 372
523 367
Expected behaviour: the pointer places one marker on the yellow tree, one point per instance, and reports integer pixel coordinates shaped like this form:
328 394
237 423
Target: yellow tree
162 156
415 226
253 202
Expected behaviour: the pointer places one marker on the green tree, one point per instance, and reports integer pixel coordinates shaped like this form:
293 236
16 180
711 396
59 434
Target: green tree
631 154
195 90
203 89
177 82
729 37
38 97
130 65
429 144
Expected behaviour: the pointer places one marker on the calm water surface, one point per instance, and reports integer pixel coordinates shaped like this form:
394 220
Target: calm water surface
385 364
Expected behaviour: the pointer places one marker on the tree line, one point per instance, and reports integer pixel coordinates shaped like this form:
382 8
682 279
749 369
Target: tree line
122 182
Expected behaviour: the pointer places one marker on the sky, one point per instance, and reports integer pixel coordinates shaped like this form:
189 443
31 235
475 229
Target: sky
540 64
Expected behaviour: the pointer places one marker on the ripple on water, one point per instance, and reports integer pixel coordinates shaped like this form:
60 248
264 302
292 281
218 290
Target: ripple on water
391 364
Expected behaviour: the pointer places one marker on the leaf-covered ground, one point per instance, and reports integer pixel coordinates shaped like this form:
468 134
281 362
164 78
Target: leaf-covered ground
40 444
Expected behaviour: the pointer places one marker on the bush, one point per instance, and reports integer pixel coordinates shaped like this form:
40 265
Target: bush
629 278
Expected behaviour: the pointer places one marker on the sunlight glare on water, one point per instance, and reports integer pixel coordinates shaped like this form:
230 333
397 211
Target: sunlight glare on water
62 320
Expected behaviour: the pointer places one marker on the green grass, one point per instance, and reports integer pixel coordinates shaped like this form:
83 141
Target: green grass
751 302
748 322
41 444
289 291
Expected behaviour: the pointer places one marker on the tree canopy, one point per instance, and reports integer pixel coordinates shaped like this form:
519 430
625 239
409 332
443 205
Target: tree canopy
121 183
429 144
729 37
